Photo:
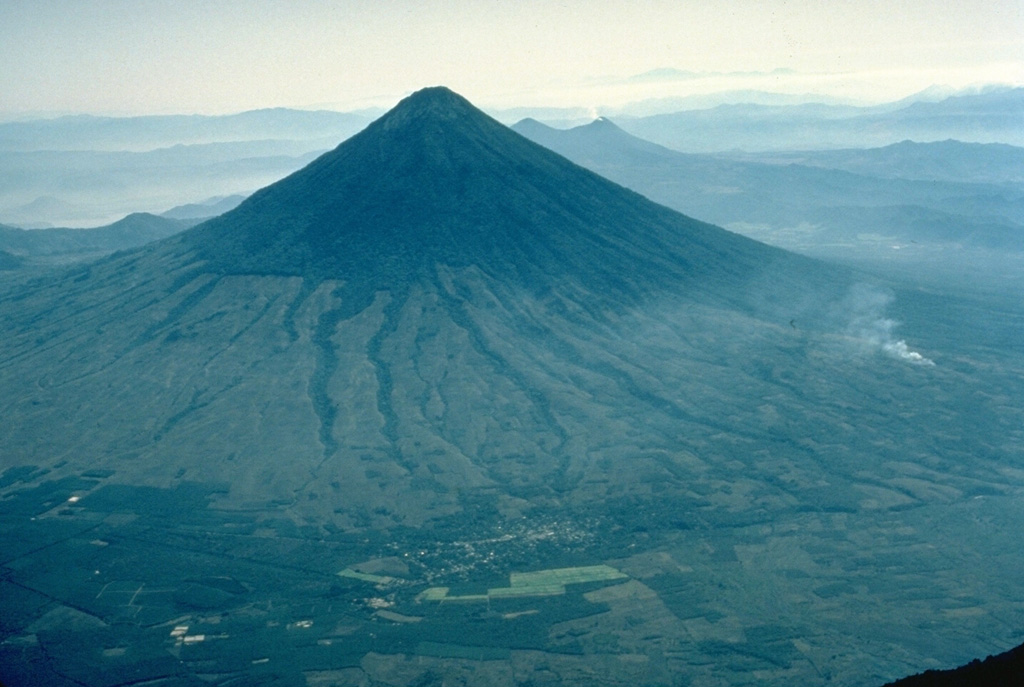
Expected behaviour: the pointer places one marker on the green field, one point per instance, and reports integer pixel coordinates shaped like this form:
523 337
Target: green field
538 583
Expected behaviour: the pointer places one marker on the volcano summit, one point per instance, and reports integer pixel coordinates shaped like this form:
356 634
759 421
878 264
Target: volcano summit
443 405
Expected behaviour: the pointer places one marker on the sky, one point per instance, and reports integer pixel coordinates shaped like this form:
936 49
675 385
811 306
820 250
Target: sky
213 57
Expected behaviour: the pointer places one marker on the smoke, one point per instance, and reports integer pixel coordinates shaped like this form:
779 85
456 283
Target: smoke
871 330
899 349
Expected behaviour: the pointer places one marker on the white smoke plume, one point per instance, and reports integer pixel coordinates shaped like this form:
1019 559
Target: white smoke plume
871 330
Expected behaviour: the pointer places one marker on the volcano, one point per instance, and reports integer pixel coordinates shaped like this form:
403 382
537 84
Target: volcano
436 228
437 182
443 403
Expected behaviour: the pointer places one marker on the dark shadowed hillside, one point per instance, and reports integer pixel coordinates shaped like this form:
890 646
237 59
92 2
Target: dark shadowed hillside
1004 670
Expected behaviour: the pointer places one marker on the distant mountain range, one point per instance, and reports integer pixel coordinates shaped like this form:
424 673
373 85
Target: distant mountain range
205 210
89 171
930 202
142 134
58 246
86 188
86 171
953 161
995 116
47 246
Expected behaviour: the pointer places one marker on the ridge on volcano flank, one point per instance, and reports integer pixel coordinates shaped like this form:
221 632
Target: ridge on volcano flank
437 181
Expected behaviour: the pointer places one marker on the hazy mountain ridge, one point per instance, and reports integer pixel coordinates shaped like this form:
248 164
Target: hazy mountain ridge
950 160
90 184
439 356
856 204
134 230
97 168
212 207
139 134
988 117
85 171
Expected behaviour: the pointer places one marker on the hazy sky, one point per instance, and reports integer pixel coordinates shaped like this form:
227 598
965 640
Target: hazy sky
143 56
